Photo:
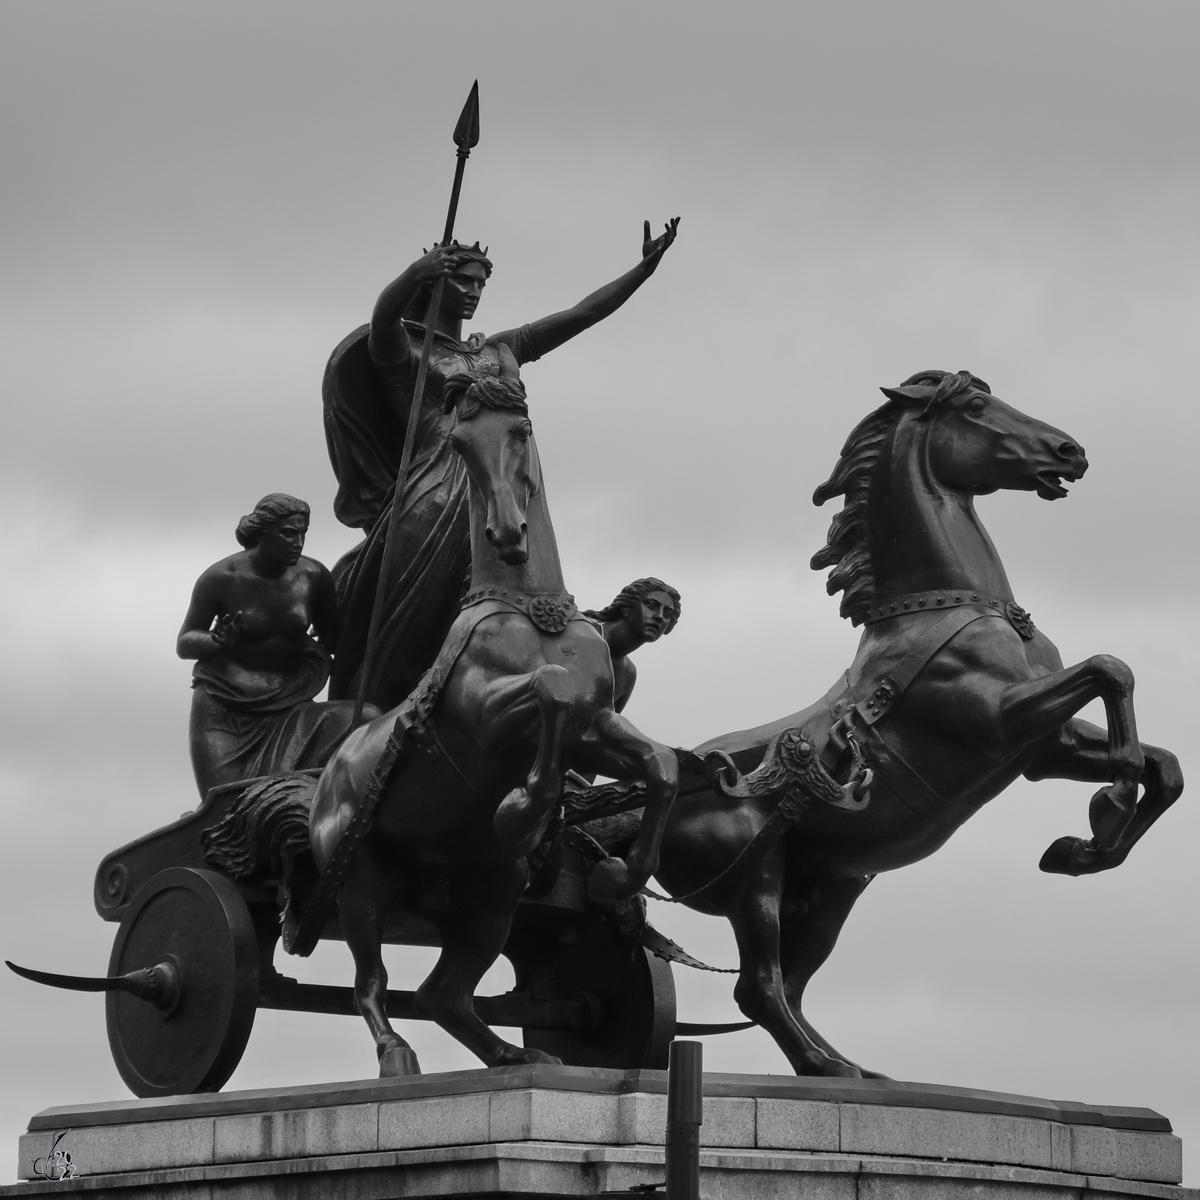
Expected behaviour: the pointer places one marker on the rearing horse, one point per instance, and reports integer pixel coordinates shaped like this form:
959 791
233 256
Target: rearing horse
952 695
445 795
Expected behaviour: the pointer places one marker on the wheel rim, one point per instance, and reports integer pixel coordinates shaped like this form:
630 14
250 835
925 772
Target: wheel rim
633 991
200 921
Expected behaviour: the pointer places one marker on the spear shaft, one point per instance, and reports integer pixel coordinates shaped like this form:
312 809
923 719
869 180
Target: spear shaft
466 136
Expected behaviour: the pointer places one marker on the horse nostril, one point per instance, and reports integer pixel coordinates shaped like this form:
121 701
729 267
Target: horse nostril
1068 450
490 533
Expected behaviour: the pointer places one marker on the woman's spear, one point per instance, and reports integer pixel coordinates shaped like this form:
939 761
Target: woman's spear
466 137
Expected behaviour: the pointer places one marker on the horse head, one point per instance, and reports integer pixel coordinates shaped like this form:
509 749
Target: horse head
976 443
909 473
494 436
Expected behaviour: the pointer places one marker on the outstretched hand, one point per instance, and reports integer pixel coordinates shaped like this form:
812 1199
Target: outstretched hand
654 248
227 631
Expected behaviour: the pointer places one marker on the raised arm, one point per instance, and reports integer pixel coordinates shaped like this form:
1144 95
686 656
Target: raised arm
540 337
389 340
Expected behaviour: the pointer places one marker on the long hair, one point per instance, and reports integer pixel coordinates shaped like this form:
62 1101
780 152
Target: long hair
629 595
847 546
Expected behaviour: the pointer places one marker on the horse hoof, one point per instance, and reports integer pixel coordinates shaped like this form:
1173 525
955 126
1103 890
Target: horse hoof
1071 856
398 1060
519 1056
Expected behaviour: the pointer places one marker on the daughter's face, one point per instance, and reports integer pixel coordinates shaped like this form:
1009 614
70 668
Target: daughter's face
284 541
649 618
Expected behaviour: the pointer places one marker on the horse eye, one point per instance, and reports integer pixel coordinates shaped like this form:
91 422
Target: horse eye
978 404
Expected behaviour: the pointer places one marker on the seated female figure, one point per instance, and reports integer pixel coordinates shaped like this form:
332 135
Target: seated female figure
258 667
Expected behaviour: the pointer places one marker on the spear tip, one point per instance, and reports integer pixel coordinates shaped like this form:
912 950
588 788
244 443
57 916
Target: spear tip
466 132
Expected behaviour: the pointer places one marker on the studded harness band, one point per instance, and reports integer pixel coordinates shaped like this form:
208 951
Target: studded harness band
914 603
549 611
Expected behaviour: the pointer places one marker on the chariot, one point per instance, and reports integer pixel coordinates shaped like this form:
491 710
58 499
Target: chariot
194 960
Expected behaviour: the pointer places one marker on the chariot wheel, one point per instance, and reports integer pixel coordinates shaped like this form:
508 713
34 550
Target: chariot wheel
629 992
192 930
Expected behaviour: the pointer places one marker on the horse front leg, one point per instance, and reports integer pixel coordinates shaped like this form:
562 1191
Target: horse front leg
812 914
474 928
614 746
1080 751
521 817
365 900
753 910
1031 710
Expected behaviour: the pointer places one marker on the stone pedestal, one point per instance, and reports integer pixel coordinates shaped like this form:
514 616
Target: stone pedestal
571 1131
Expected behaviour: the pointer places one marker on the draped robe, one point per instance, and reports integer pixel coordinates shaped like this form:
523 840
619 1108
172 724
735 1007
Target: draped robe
366 410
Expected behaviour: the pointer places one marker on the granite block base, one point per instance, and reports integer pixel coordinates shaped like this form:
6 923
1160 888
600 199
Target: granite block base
568 1131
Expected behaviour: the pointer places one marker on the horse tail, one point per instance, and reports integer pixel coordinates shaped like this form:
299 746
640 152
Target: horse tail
265 834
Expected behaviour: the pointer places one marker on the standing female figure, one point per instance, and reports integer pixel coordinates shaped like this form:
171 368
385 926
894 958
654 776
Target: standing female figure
368 392
258 668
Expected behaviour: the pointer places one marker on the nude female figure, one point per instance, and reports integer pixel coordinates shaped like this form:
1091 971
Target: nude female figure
258 667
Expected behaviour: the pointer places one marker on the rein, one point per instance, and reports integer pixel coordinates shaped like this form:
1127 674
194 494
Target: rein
793 771
449 758
787 812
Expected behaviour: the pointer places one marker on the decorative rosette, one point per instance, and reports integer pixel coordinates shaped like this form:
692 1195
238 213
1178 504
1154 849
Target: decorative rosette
1020 620
795 750
550 613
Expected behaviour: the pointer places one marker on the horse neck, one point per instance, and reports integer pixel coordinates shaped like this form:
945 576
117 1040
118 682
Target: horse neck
540 572
925 536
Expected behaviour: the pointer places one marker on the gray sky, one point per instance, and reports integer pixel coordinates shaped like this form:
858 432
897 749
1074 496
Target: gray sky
199 202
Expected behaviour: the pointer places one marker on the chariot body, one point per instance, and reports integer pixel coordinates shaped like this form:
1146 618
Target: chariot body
587 991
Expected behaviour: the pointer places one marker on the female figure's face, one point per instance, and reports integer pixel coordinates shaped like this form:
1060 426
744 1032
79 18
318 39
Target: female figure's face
650 616
283 543
460 297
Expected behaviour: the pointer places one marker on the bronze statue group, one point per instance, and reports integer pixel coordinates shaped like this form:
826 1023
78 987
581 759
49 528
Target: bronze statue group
437 771
270 627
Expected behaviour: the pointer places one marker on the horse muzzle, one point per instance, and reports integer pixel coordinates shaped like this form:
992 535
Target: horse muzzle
511 542
1069 464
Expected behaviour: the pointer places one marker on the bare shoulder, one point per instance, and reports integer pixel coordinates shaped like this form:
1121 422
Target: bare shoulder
312 568
225 570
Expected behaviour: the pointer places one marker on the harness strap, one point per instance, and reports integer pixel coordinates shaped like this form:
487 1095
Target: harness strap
912 603
415 712
908 785
549 611
889 676
302 938
786 813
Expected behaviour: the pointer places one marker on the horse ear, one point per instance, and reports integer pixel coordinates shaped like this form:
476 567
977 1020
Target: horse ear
916 393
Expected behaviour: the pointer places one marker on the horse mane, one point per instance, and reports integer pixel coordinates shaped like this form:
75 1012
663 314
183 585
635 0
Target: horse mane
495 392
847 547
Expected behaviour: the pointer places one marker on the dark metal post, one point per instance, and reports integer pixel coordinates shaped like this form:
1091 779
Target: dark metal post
685 1115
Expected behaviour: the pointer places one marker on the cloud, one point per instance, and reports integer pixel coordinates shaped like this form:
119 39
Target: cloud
199 203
